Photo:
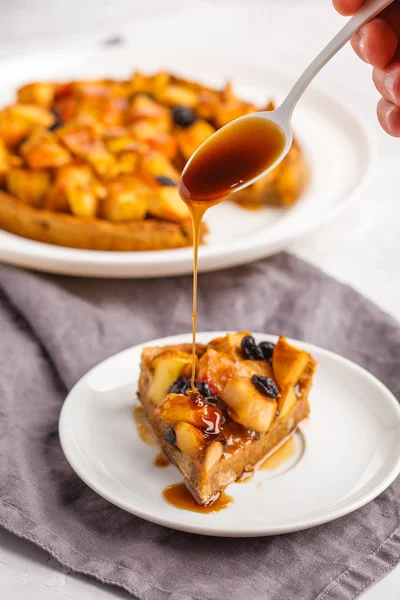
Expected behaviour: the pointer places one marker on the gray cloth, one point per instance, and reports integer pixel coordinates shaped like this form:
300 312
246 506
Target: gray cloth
53 329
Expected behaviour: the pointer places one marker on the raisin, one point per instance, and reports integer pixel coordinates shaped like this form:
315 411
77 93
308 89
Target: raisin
165 181
170 436
180 386
204 389
265 385
267 348
183 116
250 349
58 122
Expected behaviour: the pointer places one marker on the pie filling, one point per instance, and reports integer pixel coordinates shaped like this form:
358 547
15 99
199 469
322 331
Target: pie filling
248 398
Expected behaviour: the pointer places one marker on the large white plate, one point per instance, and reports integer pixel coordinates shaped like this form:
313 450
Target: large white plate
337 146
348 451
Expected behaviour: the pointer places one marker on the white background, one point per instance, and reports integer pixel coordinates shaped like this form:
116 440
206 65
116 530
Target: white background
362 248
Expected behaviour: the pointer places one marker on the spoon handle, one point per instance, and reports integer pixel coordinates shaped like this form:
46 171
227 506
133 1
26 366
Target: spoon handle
367 12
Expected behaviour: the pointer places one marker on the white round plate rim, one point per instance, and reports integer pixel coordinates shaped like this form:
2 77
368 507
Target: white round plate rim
46 257
325 516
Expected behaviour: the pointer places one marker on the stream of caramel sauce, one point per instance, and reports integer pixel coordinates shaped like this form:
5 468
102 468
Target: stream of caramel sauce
235 155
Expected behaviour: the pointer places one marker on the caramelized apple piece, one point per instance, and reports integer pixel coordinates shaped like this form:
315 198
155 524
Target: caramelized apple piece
175 408
179 407
165 203
192 137
270 105
216 369
101 107
225 113
155 164
19 120
126 200
288 363
159 82
167 370
212 455
4 160
248 368
155 138
291 174
286 402
248 406
76 190
149 84
189 439
120 143
229 344
143 107
177 95
42 150
31 187
127 163
168 354
32 114
83 139
208 104
37 93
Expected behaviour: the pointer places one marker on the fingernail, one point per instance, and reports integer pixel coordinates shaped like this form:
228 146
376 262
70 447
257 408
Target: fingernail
362 47
388 83
387 114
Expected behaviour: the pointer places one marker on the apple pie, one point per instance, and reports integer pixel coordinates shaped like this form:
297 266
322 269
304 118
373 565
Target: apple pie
96 164
249 398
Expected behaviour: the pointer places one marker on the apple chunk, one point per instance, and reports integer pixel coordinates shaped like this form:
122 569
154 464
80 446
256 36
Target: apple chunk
248 368
212 455
248 406
189 439
178 407
286 402
230 344
166 372
216 369
288 363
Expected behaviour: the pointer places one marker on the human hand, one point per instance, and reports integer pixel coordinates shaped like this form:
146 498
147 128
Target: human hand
377 43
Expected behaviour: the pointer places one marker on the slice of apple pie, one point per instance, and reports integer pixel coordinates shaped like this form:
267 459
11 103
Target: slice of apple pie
249 398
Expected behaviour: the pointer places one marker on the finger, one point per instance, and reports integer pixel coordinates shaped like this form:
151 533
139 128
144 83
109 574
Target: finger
389 117
348 7
387 82
376 43
391 14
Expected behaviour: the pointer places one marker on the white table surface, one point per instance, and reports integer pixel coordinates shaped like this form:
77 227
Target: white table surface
362 248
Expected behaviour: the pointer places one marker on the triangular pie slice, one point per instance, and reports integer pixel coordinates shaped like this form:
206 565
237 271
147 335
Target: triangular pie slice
250 398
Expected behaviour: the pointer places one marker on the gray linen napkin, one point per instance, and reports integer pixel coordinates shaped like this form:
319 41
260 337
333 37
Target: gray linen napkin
53 329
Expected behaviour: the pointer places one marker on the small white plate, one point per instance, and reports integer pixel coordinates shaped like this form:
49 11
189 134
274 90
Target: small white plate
337 145
348 451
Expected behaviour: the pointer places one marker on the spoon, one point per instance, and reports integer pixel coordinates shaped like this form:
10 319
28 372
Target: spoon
278 120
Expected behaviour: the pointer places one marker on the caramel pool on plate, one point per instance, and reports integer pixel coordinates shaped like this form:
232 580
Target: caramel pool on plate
179 496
